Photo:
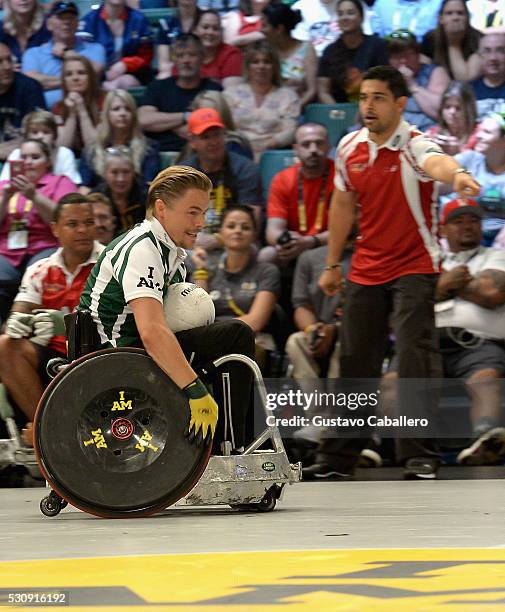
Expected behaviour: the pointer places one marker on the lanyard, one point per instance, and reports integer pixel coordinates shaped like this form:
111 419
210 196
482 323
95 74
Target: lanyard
232 305
13 205
321 204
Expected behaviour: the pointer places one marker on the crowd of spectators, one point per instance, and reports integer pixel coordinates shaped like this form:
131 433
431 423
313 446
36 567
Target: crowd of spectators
97 101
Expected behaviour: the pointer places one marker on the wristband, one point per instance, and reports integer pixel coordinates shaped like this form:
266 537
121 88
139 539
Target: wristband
196 389
332 266
201 274
461 171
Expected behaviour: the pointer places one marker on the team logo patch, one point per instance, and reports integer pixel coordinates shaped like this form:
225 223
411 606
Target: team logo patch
357 167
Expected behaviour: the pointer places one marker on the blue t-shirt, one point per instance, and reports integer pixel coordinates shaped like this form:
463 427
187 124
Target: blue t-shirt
418 16
41 59
492 194
24 96
240 182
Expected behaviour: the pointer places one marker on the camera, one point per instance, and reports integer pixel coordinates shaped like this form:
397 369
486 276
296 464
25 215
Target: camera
284 238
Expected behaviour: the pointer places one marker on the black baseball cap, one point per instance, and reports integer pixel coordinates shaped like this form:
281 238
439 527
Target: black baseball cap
63 7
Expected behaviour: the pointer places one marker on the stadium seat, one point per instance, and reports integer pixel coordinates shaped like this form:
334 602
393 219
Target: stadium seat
336 117
273 162
155 14
137 93
167 158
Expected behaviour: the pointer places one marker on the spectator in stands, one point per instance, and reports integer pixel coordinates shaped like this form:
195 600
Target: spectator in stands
19 95
490 88
488 14
469 317
345 61
456 118
298 59
45 62
262 109
170 28
221 62
105 219
23 26
426 82
52 284
235 178
240 286
298 199
41 125
236 142
487 164
165 107
454 44
79 111
123 187
313 349
417 16
127 38
119 126
26 208
319 24
242 27
221 6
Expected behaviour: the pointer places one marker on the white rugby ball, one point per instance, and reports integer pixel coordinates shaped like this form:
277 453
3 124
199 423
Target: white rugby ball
187 306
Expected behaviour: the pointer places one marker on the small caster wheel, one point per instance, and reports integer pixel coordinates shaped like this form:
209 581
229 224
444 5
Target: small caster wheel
52 504
267 504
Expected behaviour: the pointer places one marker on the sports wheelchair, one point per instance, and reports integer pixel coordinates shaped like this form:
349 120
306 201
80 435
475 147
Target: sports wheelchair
109 438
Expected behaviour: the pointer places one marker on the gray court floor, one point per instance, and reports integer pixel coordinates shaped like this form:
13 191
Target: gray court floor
378 514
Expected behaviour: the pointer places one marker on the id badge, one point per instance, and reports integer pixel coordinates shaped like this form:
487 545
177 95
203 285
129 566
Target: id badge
18 236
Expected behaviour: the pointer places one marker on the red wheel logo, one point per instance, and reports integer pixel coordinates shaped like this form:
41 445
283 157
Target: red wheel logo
122 429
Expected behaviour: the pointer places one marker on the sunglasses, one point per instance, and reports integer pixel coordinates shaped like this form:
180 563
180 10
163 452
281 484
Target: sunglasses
118 150
401 35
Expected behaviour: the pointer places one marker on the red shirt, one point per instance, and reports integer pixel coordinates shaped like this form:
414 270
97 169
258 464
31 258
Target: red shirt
49 284
397 204
283 199
227 63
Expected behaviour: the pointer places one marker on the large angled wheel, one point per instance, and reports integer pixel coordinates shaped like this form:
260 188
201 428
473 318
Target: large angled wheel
109 436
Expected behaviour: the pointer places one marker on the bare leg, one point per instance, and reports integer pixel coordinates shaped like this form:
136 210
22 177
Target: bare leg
19 363
484 388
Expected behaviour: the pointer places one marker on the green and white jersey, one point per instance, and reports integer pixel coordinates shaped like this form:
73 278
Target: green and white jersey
143 262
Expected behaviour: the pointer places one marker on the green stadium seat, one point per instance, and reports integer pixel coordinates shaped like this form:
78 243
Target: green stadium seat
336 117
137 93
167 158
271 163
155 14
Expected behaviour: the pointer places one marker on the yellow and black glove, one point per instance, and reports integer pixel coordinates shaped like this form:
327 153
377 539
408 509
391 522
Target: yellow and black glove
204 412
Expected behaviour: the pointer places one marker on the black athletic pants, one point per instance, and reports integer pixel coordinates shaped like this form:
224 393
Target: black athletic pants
406 305
205 344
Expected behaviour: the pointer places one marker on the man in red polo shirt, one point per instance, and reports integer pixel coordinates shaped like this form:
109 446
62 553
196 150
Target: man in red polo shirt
299 198
388 169
55 283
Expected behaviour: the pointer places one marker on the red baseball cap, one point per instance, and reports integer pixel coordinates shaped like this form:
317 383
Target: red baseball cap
203 119
458 207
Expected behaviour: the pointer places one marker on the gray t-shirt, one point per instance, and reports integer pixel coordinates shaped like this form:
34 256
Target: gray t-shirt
239 289
306 291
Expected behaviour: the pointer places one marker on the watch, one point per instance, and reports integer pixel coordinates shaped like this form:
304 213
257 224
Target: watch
462 171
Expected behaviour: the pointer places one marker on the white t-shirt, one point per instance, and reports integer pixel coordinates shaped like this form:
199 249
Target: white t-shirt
483 322
64 164
480 10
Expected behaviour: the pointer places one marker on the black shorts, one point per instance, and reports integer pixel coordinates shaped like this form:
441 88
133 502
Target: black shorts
45 354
